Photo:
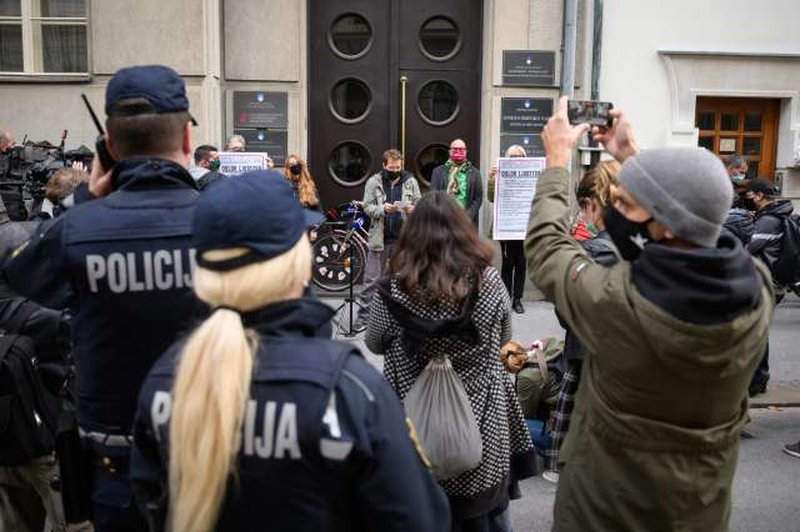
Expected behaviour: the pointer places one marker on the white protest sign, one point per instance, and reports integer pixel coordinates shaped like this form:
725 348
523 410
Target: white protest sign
515 186
237 162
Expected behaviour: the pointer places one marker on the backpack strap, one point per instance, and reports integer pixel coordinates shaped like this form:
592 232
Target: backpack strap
19 315
542 363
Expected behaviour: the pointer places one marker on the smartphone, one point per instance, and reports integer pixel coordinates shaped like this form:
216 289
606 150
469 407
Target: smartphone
592 112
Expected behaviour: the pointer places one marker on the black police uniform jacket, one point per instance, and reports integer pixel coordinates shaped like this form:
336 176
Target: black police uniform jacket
324 443
123 265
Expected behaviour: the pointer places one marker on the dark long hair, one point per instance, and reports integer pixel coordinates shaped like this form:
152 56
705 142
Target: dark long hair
439 251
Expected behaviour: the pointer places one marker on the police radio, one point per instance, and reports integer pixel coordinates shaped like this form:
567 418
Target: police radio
106 160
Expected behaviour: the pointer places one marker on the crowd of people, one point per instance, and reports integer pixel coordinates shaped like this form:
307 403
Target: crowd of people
208 393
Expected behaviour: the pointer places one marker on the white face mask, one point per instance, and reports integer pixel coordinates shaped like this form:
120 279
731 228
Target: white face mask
738 178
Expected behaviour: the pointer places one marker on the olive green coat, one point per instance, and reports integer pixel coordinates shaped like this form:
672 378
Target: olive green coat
654 436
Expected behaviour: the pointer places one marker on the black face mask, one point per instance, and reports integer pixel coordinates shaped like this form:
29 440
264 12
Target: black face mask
295 169
749 204
629 237
392 175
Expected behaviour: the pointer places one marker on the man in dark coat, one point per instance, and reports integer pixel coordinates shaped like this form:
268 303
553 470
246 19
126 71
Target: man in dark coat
765 244
460 178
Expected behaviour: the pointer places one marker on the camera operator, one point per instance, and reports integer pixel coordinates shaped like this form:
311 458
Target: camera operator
30 493
10 193
124 263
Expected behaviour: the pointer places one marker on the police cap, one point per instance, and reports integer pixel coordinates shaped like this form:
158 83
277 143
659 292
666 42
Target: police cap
256 210
146 89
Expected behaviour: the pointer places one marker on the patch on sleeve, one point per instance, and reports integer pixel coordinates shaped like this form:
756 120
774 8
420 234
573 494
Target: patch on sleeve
19 249
412 433
576 270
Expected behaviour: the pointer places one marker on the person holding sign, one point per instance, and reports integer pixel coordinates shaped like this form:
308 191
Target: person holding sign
513 256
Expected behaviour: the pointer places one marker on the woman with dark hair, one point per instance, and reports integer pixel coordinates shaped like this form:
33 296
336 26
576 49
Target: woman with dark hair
443 297
296 173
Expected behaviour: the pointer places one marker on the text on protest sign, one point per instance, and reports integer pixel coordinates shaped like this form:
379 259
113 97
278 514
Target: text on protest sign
514 189
234 163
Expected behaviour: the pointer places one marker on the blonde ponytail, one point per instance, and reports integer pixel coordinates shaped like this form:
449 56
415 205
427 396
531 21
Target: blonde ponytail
212 382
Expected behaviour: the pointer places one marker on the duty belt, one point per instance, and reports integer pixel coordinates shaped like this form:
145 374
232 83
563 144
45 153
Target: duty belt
110 440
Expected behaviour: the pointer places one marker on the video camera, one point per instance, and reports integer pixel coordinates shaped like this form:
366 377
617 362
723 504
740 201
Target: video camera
32 164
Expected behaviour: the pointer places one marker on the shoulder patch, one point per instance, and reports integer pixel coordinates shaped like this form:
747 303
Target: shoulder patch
576 270
19 249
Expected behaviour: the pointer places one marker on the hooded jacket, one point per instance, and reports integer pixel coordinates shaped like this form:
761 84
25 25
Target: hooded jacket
672 341
375 197
768 232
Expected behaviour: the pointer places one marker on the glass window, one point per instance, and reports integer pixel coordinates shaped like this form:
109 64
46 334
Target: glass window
706 142
438 102
63 8
439 38
729 122
349 163
64 48
54 33
10 8
752 122
350 99
705 120
350 36
11 48
429 158
751 146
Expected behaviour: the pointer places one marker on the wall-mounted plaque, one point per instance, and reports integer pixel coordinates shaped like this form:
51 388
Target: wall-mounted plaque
524 115
532 144
260 109
273 142
529 68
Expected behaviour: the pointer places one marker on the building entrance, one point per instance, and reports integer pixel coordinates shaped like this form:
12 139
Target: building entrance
390 73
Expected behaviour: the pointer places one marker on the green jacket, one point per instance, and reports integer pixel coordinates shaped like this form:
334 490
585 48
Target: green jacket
375 197
654 436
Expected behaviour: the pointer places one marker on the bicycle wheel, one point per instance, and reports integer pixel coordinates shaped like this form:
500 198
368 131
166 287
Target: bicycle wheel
334 264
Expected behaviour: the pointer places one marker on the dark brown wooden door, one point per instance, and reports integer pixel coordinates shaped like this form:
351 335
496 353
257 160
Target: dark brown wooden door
360 50
746 126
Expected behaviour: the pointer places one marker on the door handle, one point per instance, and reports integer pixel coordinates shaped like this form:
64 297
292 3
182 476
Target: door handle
403 87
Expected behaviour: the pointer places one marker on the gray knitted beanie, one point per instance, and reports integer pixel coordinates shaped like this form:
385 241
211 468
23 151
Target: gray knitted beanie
686 189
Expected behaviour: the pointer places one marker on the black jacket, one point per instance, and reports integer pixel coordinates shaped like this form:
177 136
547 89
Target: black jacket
768 232
474 189
123 265
347 464
740 222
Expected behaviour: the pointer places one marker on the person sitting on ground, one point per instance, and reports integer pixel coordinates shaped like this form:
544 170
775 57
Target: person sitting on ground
295 171
443 297
311 435
672 335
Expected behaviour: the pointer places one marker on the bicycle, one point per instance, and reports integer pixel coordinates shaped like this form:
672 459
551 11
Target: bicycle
340 249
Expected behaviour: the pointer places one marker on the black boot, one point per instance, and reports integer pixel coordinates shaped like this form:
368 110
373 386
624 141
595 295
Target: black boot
517 306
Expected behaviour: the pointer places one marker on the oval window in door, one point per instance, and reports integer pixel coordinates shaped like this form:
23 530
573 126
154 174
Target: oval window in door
437 102
439 38
350 36
429 158
349 163
350 100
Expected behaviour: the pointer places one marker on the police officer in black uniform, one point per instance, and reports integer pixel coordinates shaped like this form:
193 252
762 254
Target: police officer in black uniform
286 431
123 264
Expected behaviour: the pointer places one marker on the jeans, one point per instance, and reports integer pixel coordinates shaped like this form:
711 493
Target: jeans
376 265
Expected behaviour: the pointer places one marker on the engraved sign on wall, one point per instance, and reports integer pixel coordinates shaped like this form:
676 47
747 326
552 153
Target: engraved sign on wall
524 115
272 141
260 109
529 68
